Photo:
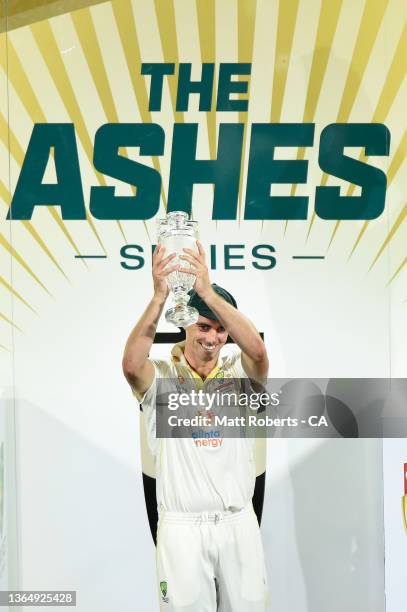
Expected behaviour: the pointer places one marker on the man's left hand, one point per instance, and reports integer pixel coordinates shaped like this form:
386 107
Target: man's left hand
198 268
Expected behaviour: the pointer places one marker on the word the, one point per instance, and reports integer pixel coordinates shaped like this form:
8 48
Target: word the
203 88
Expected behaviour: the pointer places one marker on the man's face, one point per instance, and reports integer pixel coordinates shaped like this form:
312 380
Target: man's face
205 338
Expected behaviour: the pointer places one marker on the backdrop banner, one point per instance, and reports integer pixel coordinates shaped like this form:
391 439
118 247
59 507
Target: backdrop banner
279 127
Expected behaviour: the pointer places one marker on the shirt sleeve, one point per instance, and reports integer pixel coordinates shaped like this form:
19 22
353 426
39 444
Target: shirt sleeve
148 404
149 395
237 370
235 365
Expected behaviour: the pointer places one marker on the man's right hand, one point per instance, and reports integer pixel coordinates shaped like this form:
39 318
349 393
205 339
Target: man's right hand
137 367
161 270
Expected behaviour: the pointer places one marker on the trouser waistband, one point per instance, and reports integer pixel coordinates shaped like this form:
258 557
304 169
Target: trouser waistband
211 517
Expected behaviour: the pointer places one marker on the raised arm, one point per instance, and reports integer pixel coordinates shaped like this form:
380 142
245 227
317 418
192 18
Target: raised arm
137 368
240 328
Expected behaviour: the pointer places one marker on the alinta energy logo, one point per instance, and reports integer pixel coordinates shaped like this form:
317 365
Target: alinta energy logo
207 437
404 499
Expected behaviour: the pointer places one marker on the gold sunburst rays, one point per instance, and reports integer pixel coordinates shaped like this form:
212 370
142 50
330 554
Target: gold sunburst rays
207 26
12 251
327 25
25 92
246 24
167 26
394 79
287 20
206 15
396 163
5 196
86 32
123 14
48 47
397 272
369 27
11 142
9 321
11 289
398 158
400 219
393 82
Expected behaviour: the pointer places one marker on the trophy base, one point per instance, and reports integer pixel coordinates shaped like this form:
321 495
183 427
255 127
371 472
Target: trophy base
182 315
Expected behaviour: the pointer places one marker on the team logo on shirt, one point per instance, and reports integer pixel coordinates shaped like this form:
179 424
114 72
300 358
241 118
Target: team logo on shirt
164 590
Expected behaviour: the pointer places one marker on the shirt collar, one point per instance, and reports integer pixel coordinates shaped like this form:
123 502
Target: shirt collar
178 358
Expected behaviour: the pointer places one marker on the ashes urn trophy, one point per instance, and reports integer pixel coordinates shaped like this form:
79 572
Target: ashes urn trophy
176 232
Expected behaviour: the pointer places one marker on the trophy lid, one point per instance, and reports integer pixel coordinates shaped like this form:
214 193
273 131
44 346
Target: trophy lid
177 217
176 220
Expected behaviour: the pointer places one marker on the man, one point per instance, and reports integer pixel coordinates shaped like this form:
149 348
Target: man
209 551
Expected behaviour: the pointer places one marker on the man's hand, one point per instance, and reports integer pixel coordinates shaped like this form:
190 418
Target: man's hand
239 327
161 270
199 269
137 367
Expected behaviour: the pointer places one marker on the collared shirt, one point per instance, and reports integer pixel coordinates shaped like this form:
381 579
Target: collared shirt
195 475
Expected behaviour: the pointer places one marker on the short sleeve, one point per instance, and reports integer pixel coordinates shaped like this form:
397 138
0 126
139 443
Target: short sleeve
234 365
235 368
149 394
148 402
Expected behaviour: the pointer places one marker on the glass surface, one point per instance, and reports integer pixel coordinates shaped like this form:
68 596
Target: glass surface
175 243
175 233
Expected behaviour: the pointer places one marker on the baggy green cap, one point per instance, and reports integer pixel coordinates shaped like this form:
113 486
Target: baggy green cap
196 302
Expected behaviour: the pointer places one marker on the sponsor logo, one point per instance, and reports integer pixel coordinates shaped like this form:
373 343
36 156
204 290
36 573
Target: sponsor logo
164 590
206 437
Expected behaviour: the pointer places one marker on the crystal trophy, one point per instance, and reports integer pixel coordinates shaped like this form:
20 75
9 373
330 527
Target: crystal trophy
175 233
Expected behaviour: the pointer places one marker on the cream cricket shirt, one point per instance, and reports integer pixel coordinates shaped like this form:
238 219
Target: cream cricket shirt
192 476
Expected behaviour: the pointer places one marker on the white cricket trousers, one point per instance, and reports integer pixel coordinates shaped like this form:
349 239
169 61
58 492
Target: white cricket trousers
210 562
